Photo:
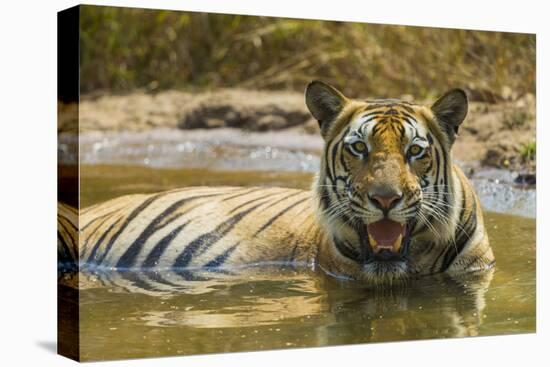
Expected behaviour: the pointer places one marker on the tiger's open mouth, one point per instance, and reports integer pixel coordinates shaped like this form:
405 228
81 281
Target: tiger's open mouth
388 240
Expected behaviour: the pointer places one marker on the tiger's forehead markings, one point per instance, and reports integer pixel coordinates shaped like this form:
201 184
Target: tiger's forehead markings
390 103
380 115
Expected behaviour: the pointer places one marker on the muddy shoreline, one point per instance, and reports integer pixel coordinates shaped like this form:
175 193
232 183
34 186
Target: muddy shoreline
500 135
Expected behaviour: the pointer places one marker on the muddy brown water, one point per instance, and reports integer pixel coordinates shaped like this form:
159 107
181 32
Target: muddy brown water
128 315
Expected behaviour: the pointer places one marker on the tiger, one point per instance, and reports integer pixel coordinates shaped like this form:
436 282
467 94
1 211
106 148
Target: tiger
387 205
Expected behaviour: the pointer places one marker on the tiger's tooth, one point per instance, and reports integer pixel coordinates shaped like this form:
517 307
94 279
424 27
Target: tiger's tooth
397 244
373 243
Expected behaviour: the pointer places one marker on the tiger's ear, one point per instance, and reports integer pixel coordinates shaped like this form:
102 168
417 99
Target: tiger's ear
450 110
325 103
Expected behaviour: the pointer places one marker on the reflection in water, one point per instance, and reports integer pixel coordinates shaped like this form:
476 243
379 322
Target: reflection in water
267 298
280 307
408 313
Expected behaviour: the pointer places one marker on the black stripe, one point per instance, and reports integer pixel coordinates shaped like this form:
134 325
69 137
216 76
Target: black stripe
254 200
481 258
276 216
66 219
446 197
450 255
409 117
136 281
347 251
334 151
157 278
205 241
109 279
272 204
190 275
429 168
293 252
463 233
461 241
436 186
473 261
343 161
220 259
370 114
69 232
335 190
89 237
430 139
128 220
74 239
243 193
420 229
432 269
430 247
325 200
463 208
65 255
375 106
371 117
98 218
128 259
66 207
414 203
326 161
390 111
400 130
157 251
96 247
437 165
406 108
376 129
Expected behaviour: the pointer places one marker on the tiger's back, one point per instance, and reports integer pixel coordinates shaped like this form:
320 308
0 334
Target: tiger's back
199 227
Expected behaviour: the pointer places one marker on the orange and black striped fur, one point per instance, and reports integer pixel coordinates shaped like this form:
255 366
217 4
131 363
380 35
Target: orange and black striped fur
387 204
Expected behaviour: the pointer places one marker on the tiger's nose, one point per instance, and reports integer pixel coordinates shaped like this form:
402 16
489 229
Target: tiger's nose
387 201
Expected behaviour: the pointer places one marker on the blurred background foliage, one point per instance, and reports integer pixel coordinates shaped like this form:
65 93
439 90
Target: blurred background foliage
123 49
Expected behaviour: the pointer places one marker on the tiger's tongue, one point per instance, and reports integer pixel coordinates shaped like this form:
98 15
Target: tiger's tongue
386 234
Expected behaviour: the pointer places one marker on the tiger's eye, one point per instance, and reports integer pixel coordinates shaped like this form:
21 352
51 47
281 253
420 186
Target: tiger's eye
415 150
359 147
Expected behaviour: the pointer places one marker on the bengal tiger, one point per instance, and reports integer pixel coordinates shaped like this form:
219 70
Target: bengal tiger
387 205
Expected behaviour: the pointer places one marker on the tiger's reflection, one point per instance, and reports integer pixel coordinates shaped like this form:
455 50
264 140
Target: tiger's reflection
433 307
267 296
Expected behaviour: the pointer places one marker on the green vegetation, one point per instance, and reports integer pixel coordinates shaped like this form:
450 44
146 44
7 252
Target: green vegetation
124 48
529 151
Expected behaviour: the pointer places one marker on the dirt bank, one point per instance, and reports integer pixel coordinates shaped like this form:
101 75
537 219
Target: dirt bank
494 134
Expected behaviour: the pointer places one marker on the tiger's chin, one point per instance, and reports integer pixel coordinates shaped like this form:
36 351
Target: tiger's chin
385 273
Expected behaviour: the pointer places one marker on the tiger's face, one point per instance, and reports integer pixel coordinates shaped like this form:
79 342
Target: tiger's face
382 172
385 158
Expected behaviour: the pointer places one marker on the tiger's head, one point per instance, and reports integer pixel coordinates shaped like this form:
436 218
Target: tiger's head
385 167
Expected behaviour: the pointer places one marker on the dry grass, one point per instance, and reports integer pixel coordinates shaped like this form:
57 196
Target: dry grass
123 49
